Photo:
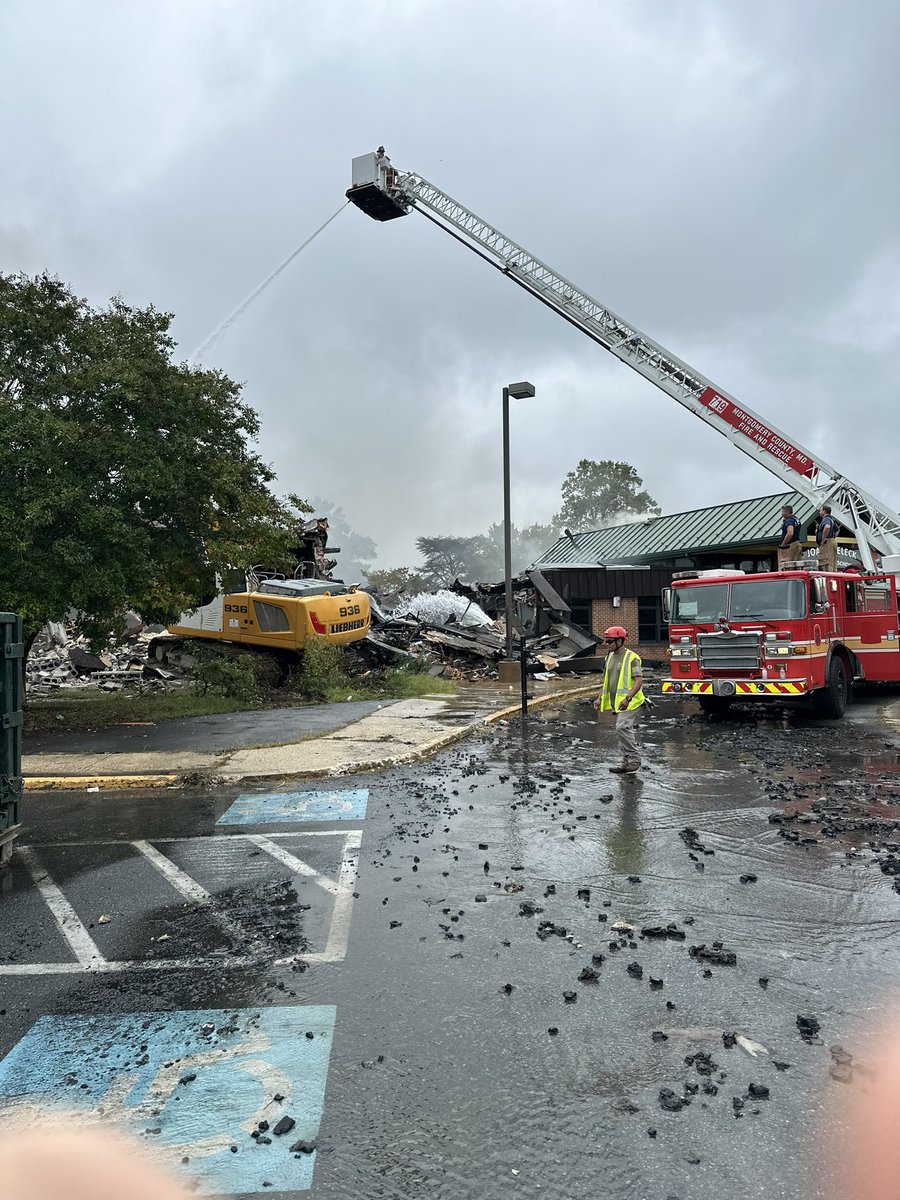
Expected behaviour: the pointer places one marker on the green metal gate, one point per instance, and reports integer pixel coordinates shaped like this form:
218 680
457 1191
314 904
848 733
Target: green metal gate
11 649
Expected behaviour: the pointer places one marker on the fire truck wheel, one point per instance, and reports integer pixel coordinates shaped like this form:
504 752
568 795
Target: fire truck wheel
831 700
715 706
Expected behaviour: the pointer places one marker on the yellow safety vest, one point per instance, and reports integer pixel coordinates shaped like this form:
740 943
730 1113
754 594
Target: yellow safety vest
623 686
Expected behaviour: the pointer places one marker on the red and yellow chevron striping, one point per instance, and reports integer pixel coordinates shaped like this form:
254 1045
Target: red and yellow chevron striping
704 687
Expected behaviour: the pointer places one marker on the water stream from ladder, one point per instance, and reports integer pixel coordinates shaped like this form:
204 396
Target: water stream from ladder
258 291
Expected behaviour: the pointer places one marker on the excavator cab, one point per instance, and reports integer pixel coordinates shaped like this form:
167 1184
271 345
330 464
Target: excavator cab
372 188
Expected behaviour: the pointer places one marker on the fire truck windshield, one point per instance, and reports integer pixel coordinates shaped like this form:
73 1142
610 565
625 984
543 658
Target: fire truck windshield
750 600
768 600
704 603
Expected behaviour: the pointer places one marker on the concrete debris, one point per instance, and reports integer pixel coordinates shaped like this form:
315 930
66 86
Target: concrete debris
754 1049
61 658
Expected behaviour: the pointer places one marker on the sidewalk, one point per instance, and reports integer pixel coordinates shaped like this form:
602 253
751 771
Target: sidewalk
357 738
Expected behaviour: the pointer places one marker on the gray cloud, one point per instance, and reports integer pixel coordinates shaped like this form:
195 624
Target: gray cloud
725 176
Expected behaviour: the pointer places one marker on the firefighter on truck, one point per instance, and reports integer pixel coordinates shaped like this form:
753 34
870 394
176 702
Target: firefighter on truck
788 635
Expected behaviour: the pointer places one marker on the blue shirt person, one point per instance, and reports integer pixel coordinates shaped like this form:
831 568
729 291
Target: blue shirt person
825 535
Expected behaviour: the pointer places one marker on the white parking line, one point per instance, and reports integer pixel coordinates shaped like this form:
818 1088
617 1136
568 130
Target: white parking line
106 966
339 933
90 960
70 925
189 888
297 865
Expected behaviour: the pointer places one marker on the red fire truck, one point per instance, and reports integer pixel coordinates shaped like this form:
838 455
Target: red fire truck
780 635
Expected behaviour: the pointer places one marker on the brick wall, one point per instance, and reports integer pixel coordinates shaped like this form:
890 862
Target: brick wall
603 615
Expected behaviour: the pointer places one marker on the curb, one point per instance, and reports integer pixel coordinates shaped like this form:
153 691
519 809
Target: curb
117 782
65 783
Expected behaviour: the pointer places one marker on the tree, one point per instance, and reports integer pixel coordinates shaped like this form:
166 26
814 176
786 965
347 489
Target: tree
447 558
480 559
525 546
127 481
392 583
597 493
357 551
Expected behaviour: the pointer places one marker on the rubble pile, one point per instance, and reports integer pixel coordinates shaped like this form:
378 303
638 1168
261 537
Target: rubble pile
451 632
61 658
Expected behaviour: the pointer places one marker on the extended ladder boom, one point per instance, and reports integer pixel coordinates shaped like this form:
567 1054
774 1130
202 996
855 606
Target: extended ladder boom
384 193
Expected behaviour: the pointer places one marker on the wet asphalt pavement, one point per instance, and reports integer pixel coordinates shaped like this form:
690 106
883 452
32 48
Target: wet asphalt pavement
491 882
221 732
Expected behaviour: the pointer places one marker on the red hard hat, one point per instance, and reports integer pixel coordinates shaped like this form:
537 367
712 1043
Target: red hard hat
616 631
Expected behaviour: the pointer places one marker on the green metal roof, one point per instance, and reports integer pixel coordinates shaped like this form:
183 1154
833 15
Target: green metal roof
742 523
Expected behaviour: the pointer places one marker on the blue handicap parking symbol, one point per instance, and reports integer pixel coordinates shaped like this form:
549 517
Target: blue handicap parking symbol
195 1085
269 808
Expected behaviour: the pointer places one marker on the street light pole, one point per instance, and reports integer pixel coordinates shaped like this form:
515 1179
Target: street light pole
507 529
518 391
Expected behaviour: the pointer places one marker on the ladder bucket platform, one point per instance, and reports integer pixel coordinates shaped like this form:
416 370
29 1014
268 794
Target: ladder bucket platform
371 190
376 203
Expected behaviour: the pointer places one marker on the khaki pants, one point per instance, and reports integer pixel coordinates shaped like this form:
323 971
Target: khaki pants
626 730
828 555
788 556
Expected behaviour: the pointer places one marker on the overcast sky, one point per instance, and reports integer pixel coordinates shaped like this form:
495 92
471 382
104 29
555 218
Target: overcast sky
724 175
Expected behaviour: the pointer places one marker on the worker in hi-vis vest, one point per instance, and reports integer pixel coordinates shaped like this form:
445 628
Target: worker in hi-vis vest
622 695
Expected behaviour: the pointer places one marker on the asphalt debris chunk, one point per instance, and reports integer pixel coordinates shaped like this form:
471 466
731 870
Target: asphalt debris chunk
301 1146
808 1027
670 1101
715 954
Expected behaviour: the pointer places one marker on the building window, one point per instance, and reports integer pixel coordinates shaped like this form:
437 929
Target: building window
651 627
581 613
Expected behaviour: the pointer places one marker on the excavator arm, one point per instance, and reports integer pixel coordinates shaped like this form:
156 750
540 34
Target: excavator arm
385 193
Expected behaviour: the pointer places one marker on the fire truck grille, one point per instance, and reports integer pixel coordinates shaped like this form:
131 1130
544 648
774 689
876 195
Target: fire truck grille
729 651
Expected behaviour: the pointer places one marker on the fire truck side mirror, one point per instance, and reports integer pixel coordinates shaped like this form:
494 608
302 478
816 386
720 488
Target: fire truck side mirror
666 604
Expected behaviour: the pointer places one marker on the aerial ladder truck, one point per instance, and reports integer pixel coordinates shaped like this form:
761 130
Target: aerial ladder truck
385 193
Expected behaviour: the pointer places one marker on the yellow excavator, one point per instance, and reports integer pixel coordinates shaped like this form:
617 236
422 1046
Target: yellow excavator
263 610
279 615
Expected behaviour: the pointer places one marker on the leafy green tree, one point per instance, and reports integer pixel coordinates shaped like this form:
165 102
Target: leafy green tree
596 493
128 480
391 583
470 559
